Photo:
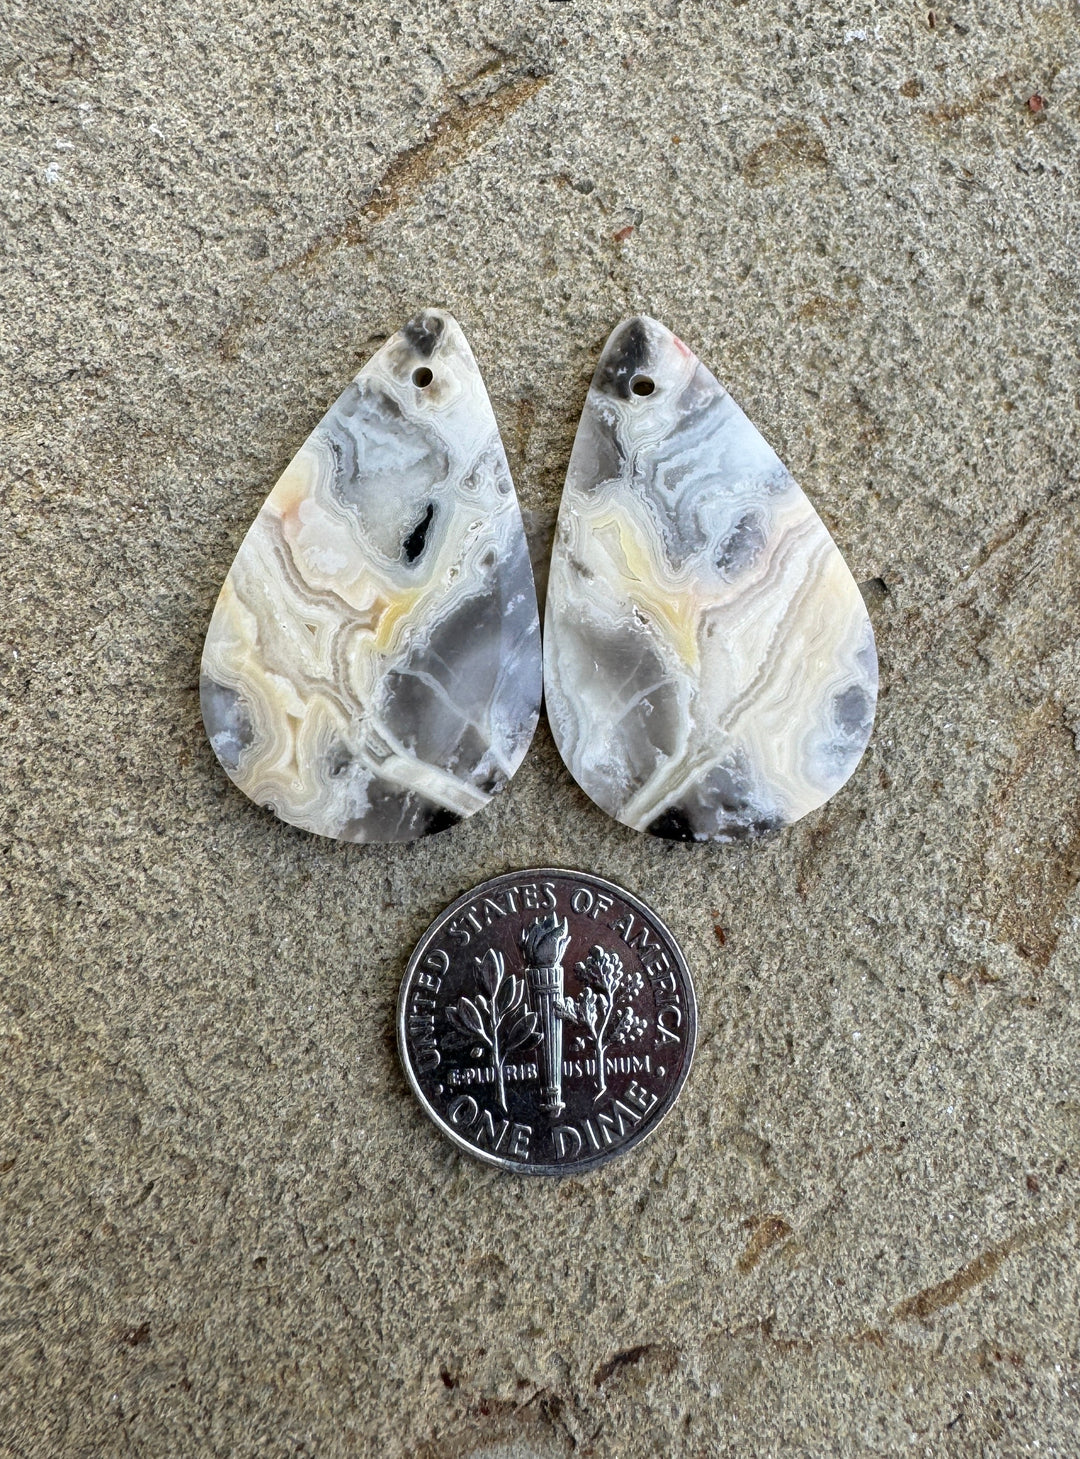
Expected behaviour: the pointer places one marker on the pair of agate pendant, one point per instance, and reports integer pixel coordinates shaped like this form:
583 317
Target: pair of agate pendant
373 669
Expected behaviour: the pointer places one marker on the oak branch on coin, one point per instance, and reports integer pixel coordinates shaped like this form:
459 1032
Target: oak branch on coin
604 981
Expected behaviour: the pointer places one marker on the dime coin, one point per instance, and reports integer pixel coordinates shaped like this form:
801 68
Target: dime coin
546 1021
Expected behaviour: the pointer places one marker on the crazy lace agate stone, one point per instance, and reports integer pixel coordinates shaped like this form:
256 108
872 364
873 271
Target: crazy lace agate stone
372 671
709 665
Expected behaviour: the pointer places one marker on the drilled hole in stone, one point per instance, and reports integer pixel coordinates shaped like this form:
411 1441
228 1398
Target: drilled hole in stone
422 376
642 385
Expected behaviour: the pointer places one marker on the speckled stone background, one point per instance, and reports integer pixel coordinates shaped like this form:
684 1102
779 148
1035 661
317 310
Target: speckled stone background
227 1228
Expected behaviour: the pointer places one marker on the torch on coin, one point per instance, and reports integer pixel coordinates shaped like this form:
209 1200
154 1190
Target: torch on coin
542 945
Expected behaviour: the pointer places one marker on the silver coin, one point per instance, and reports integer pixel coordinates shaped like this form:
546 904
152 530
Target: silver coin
546 1021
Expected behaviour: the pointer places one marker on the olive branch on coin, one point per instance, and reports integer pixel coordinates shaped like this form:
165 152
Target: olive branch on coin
604 980
496 1016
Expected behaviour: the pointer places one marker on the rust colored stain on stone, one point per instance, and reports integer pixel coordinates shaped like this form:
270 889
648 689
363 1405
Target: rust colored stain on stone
768 1231
659 1353
793 149
978 101
944 1294
1033 857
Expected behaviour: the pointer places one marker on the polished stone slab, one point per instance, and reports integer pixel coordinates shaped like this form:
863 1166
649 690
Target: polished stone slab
372 670
709 670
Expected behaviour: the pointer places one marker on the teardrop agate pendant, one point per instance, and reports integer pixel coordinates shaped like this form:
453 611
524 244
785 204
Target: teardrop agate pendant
709 665
372 671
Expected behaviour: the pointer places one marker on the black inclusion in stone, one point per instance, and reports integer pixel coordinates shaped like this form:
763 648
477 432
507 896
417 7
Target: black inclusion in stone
424 333
672 825
416 541
441 819
625 357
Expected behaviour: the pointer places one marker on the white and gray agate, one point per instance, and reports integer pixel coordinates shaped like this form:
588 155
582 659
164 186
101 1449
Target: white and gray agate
709 665
372 671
